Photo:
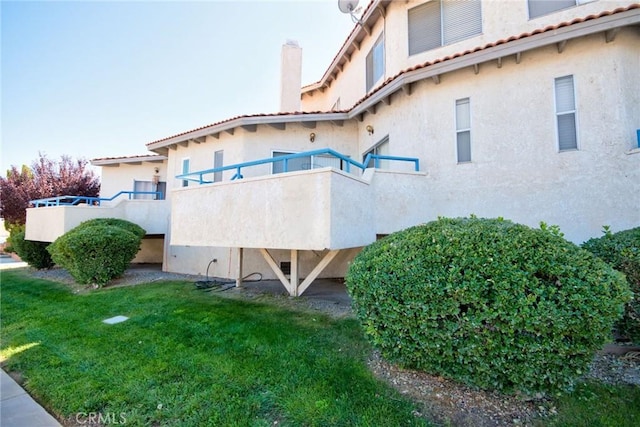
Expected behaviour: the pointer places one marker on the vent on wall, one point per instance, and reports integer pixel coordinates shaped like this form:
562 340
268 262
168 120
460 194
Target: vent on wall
285 266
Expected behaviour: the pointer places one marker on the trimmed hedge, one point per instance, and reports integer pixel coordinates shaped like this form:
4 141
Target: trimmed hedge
487 302
124 224
33 253
622 251
95 253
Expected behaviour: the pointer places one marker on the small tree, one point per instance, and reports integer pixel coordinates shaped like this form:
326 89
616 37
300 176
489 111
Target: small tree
45 178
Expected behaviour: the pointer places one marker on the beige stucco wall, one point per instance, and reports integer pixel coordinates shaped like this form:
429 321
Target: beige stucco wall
309 210
46 224
516 169
121 177
500 20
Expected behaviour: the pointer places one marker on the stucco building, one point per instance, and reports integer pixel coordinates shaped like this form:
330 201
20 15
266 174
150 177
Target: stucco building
525 109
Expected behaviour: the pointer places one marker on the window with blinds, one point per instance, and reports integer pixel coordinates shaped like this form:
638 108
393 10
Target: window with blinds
463 130
185 169
441 22
544 7
375 63
566 113
218 157
305 162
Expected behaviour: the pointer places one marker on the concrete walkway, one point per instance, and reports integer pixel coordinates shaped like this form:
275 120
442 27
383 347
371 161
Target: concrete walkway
18 409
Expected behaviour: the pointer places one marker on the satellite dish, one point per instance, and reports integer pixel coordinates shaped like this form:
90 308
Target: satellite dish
347 6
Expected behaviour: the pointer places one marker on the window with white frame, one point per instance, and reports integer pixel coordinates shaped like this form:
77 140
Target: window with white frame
463 130
375 63
149 186
218 161
566 113
185 169
545 7
305 162
442 22
381 149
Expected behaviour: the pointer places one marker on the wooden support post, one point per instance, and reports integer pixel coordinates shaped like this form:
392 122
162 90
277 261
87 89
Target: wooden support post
276 269
324 262
239 268
294 279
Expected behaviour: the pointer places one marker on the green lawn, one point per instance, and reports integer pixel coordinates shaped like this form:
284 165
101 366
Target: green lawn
597 405
189 358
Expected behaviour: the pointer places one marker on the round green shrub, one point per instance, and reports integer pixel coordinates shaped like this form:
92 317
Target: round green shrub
622 251
95 254
33 253
127 225
487 302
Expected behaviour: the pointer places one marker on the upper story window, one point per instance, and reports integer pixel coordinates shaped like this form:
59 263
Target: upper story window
566 113
218 157
441 22
544 7
185 169
375 62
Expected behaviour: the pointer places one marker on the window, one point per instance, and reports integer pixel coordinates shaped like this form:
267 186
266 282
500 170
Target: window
336 105
438 23
218 157
463 130
185 169
305 163
149 186
381 149
544 7
566 113
375 63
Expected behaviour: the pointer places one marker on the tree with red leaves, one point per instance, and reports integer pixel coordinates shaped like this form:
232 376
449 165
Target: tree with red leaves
45 178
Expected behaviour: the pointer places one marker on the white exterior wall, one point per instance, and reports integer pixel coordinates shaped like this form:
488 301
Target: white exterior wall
121 178
516 169
46 224
500 20
240 147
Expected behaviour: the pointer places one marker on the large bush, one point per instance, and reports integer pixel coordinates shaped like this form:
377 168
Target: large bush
487 302
124 224
33 253
622 251
95 254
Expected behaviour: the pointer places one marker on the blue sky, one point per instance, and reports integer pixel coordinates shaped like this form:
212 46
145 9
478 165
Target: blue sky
102 79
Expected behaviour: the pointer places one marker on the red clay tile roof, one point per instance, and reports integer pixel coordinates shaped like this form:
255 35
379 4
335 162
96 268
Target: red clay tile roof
499 42
420 66
132 158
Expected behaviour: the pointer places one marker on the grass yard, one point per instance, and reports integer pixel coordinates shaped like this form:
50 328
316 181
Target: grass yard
189 358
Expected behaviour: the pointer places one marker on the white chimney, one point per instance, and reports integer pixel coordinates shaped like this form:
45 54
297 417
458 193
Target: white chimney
291 77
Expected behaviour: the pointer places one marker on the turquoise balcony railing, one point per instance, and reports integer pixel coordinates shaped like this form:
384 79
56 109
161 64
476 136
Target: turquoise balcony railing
91 201
346 164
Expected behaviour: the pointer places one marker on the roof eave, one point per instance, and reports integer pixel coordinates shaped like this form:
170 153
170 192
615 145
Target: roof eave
484 54
246 122
128 160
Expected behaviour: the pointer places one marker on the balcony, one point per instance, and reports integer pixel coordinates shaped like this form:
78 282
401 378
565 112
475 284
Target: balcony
51 218
313 209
